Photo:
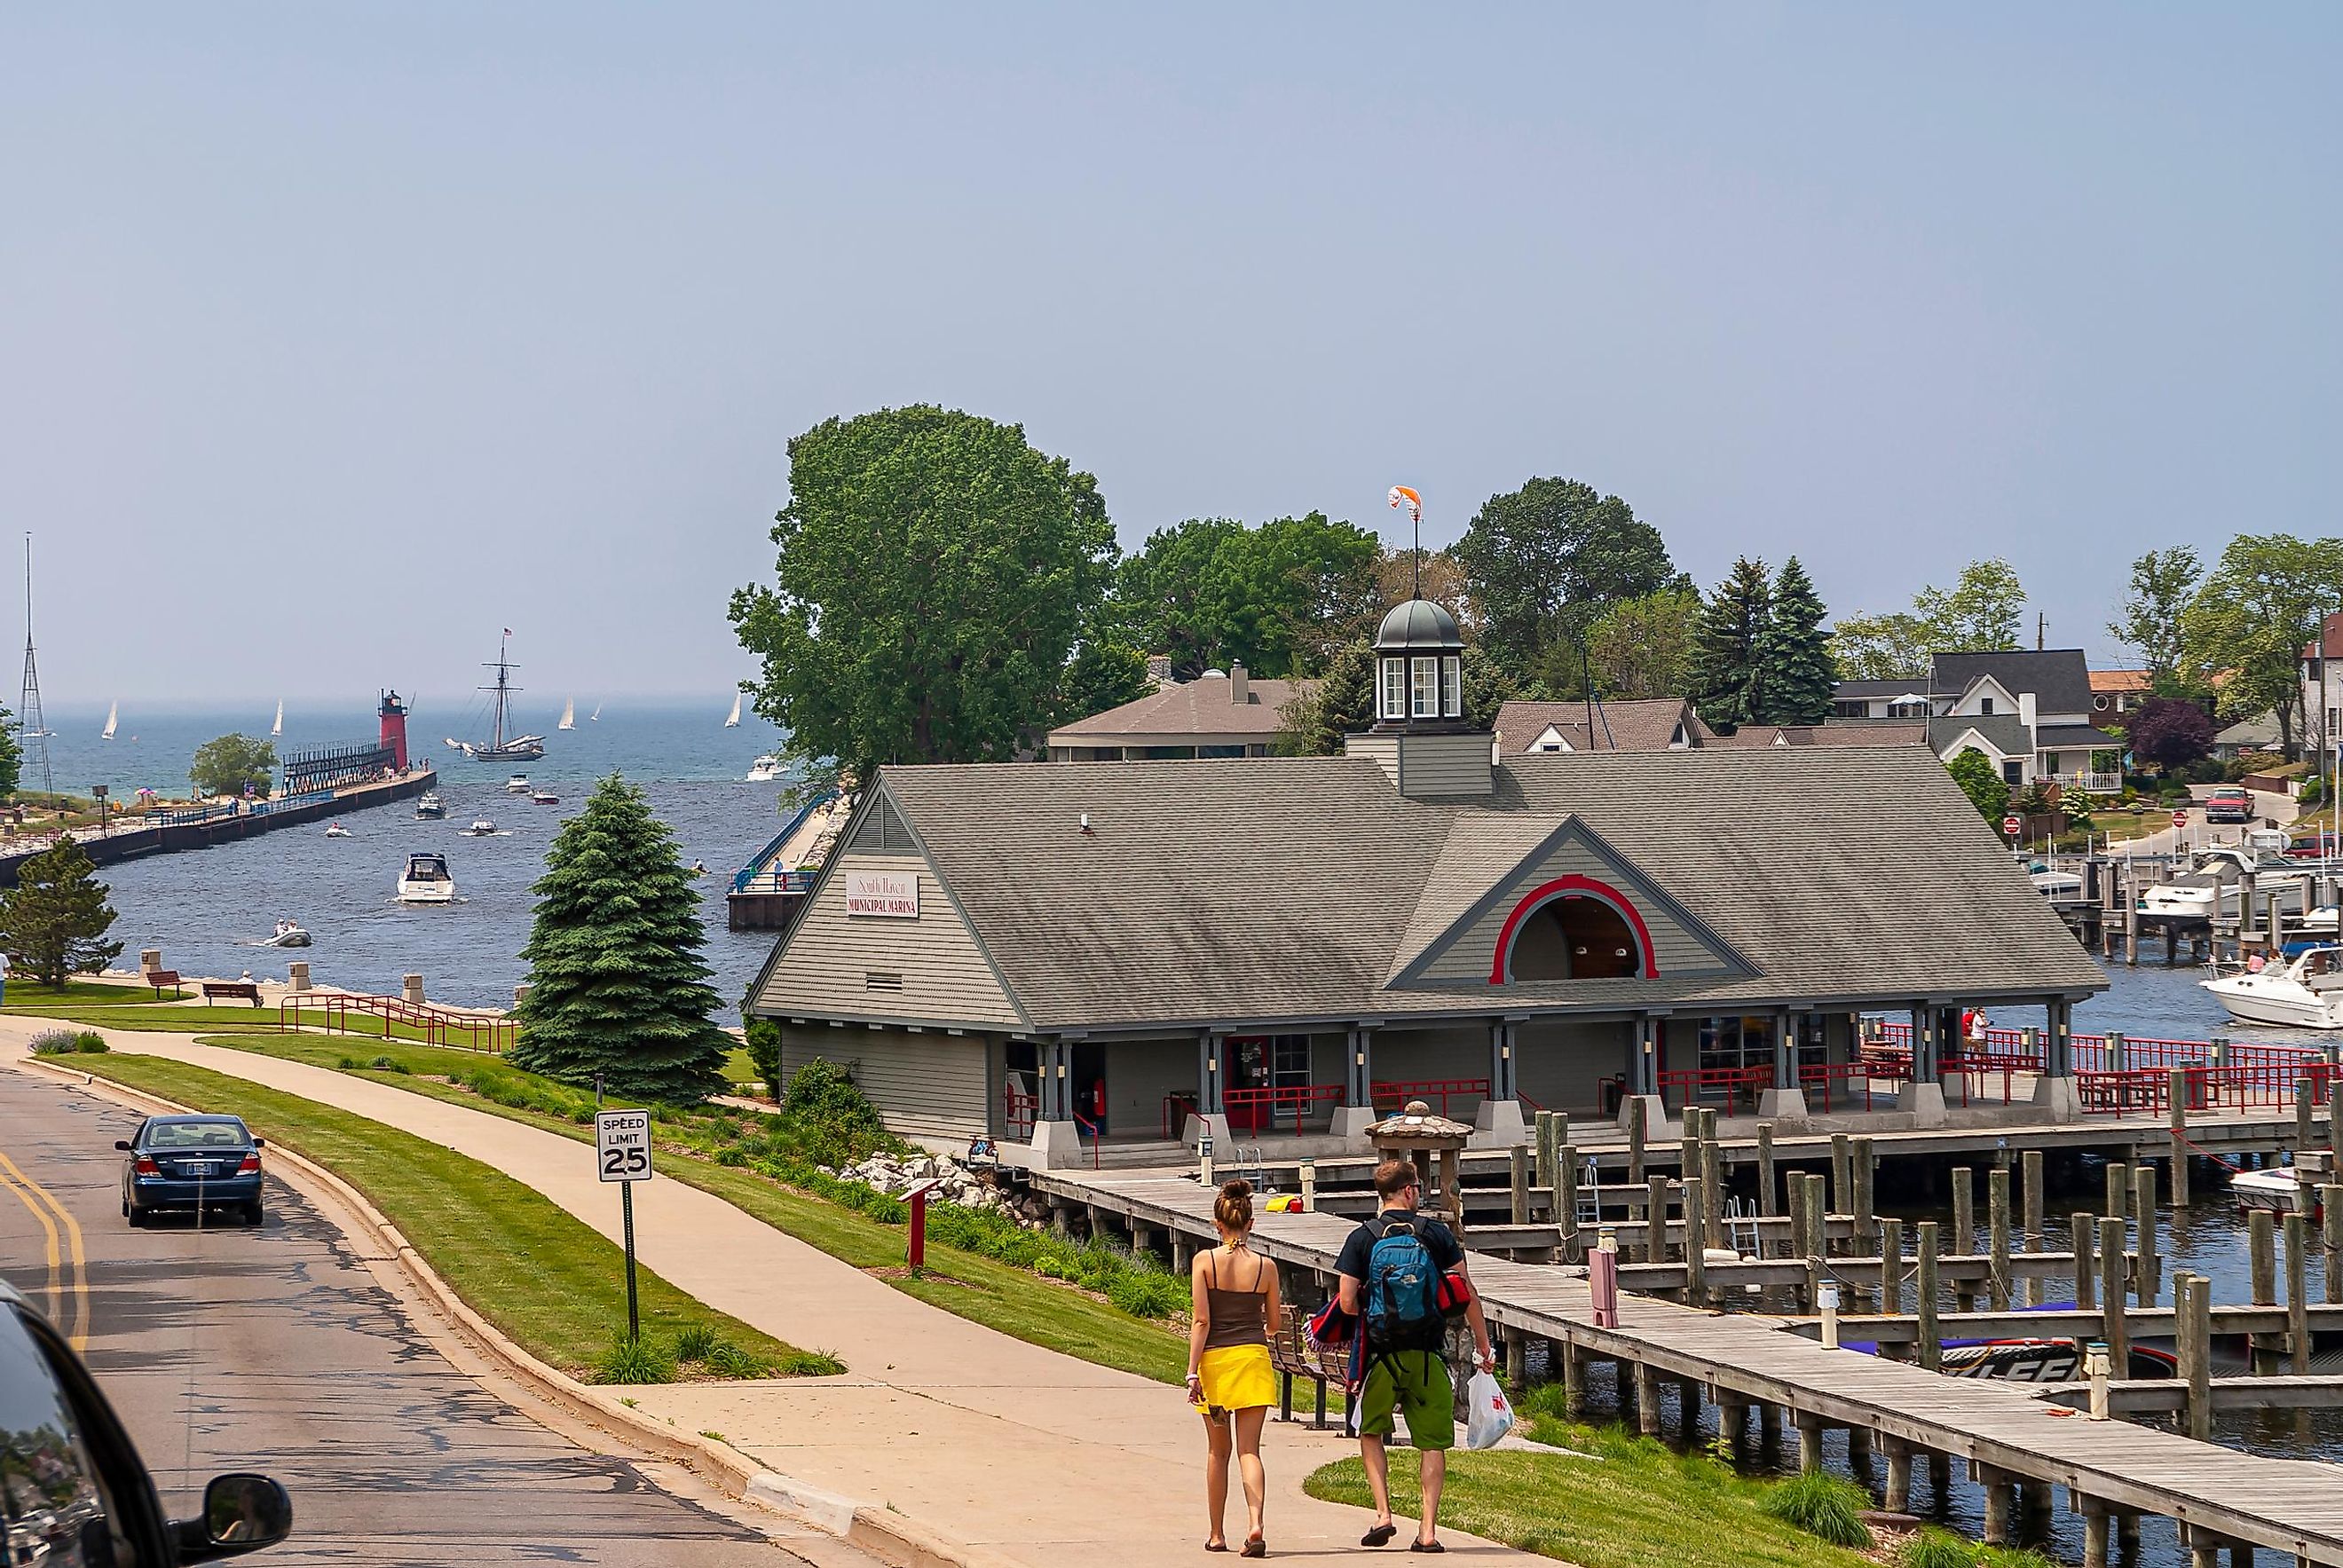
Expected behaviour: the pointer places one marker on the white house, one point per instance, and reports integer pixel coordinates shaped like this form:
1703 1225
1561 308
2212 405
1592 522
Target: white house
2029 712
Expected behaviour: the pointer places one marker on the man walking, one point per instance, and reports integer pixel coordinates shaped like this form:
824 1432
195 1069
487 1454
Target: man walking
1392 1269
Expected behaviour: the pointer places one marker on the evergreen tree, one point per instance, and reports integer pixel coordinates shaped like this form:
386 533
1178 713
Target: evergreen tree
617 985
1799 677
1727 677
12 756
1342 703
53 922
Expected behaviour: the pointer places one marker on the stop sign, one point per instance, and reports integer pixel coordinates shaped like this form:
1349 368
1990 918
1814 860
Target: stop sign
2179 818
2010 826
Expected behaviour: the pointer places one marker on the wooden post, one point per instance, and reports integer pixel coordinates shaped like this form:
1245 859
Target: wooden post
2334 1117
1841 1177
1963 1233
2305 1102
1656 1219
1519 1172
1866 1172
2199 1368
2086 1230
1810 1444
1923 1285
1636 1111
1996 1485
1996 1208
1891 1269
2330 1224
2095 1533
1766 1204
1573 1380
1712 1186
2148 1276
1545 1146
2177 1095
1647 1399
1696 1253
2118 1192
2117 1331
1795 1182
1817 1220
1565 1190
2298 1292
2261 1249
2029 1170
1898 1499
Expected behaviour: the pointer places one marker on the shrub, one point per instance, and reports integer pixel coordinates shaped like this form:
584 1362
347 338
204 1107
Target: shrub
92 1043
67 1041
694 1342
1147 1295
1823 1505
630 1359
731 1360
1935 1549
834 1123
810 1363
386 1064
764 1048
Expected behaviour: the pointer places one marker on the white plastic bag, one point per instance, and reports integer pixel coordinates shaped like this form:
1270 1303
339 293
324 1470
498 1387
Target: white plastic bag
1488 1417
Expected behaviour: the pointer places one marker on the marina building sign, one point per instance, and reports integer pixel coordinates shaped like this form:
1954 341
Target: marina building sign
887 894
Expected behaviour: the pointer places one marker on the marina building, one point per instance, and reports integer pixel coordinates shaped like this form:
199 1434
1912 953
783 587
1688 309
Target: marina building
1092 957
1222 713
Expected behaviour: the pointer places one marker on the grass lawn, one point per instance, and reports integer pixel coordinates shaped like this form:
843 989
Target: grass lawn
26 995
1010 1300
539 1273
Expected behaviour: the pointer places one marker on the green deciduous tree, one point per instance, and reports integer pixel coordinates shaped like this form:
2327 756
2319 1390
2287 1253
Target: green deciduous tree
1891 646
1973 770
616 983
1980 613
1727 678
1279 598
2170 732
2149 619
12 756
227 765
2258 608
1343 702
53 922
935 574
1545 560
1796 674
1639 647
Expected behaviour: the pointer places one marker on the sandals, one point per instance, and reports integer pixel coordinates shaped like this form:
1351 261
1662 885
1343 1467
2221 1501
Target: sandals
1425 1546
1216 1547
1379 1535
1255 1546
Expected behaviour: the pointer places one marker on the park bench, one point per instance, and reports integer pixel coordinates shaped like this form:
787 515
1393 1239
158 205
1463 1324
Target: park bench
233 989
1293 1354
158 979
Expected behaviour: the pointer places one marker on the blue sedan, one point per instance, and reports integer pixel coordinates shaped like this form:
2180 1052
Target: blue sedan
192 1162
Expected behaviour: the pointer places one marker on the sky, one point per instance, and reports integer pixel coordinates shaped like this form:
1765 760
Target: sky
334 339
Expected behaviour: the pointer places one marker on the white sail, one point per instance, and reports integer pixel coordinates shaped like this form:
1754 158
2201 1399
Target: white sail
732 719
113 714
595 713
278 727
570 714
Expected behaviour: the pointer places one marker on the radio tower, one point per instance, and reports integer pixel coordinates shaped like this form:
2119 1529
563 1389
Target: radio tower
30 729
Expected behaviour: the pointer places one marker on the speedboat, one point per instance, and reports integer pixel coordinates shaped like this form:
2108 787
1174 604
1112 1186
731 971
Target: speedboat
336 831
765 770
2054 885
426 881
518 784
2276 1189
481 828
2214 887
429 807
289 934
541 796
2307 992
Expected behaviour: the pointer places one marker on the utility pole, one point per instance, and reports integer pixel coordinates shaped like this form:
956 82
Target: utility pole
30 727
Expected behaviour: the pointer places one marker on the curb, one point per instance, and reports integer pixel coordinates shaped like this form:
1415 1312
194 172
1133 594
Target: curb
880 1532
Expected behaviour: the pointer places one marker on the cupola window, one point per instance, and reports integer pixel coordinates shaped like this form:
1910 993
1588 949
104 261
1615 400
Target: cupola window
1394 689
1452 687
1425 692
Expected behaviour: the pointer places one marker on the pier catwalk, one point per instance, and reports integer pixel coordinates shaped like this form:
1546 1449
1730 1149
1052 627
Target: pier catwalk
2001 1429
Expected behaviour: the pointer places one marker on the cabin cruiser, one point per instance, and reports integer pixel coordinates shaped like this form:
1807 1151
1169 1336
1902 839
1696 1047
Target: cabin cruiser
2052 884
2276 1189
518 784
541 796
765 770
288 934
2305 992
2213 887
336 831
426 881
481 828
429 807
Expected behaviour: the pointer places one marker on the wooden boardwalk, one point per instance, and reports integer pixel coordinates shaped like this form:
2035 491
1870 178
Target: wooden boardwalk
2003 1430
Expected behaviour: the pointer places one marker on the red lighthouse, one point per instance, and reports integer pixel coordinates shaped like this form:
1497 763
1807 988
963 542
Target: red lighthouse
393 713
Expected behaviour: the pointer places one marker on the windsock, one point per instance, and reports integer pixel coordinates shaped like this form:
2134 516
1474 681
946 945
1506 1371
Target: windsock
1400 496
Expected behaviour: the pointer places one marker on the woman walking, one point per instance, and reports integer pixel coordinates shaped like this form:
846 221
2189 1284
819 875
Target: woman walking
1234 1300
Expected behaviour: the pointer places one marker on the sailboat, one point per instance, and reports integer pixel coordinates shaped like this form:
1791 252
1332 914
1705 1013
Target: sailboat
112 716
595 715
278 727
732 719
502 748
569 715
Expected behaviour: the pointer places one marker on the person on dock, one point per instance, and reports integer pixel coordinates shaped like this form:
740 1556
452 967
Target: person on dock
1392 1270
1233 1291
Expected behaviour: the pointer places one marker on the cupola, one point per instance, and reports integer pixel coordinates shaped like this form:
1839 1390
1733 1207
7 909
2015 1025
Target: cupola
1419 670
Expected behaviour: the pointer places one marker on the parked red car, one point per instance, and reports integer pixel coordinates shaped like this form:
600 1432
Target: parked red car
2229 803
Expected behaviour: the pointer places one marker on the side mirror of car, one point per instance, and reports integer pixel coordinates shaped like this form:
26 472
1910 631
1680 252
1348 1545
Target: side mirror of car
123 1144
260 1144
242 1514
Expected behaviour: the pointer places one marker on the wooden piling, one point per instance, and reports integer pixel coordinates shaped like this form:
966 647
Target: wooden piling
1794 1184
2118 1329
2330 1224
1842 1175
2177 1096
1696 1252
2147 1273
2298 1292
2086 1232
1810 1444
1996 1208
2119 1204
2034 1239
1712 1186
1636 1116
1996 1485
1891 1267
1545 1147
1924 1286
1566 1190
2199 1368
1767 1205
1898 1498
1817 1221
1647 1399
2305 1102
1656 1219
2261 1250
1963 1232
1866 1184
1573 1380
2095 1535
1519 1174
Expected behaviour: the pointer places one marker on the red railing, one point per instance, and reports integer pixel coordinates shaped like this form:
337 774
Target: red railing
1017 1109
1396 1092
1255 1110
1085 1125
1695 1082
333 1012
1839 1078
1178 1105
2145 1091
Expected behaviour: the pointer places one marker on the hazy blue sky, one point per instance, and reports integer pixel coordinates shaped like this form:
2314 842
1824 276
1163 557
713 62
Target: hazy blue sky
335 338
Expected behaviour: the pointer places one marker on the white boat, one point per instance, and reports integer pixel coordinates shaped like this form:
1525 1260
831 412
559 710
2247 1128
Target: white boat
2054 884
569 715
429 807
2216 886
765 770
2276 1189
732 719
2306 992
336 831
500 746
426 881
541 796
595 714
112 717
278 727
481 828
518 784
289 934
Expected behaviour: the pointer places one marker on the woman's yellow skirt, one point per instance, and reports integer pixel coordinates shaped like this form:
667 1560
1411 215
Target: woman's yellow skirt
1237 1377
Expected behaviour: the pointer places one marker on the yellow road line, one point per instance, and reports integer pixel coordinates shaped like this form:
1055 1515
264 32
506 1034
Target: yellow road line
77 1279
50 1226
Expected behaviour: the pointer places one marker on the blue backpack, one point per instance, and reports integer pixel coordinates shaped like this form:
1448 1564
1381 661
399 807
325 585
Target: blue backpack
1402 1295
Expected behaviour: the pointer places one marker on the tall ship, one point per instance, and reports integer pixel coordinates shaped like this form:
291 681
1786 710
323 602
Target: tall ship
500 746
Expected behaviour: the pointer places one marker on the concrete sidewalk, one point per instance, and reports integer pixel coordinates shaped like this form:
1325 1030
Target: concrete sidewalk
983 1440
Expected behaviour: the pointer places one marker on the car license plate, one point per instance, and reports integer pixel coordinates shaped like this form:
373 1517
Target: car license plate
200 1168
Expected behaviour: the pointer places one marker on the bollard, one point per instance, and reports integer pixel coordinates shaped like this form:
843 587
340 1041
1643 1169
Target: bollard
411 987
1309 1185
296 975
2096 1354
1204 1159
1603 1281
1829 1292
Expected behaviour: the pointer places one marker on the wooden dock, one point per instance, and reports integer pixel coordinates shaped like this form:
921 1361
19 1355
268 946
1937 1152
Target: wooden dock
2008 1436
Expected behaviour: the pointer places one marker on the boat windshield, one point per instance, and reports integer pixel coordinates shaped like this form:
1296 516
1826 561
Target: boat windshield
425 868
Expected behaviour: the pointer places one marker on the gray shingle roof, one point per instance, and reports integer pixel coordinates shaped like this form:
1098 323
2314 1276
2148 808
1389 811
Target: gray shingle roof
1643 725
2059 678
1284 888
2071 735
2006 731
1191 709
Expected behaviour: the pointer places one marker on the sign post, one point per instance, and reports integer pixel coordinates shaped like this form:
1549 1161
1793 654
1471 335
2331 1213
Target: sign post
2009 826
2180 819
916 1195
622 1153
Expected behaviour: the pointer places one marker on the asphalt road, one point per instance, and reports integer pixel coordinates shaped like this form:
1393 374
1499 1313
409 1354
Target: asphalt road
277 1351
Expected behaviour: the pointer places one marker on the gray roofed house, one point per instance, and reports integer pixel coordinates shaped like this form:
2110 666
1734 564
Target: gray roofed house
1131 952
2028 711
1233 714
1648 724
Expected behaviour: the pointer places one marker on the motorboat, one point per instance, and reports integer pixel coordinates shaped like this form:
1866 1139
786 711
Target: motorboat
429 807
2276 1189
426 881
541 796
288 934
518 784
2052 884
2306 992
481 828
2216 884
336 831
765 770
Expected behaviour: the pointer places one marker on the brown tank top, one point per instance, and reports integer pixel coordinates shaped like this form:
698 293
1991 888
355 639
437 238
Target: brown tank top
1239 1317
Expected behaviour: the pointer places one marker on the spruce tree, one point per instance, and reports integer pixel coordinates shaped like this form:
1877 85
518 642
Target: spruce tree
53 922
1342 703
617 986
1728 680
1798 677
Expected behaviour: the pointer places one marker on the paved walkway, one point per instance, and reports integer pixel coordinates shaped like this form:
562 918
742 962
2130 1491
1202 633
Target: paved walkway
980 1438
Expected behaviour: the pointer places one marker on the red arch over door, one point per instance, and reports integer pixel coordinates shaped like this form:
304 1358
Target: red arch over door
1572 886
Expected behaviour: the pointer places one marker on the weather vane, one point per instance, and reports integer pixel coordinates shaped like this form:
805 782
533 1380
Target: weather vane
1400 496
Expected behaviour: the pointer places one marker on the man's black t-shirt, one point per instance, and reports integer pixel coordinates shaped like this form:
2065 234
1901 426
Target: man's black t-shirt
1447 1252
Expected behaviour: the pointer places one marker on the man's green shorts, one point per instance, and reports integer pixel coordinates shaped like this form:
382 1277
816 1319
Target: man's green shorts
1415 1384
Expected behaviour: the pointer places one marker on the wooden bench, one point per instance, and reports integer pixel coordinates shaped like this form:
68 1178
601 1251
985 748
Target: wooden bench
235 990
1294 1354
158 979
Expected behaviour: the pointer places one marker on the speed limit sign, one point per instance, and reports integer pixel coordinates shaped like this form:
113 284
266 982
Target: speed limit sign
622 1145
